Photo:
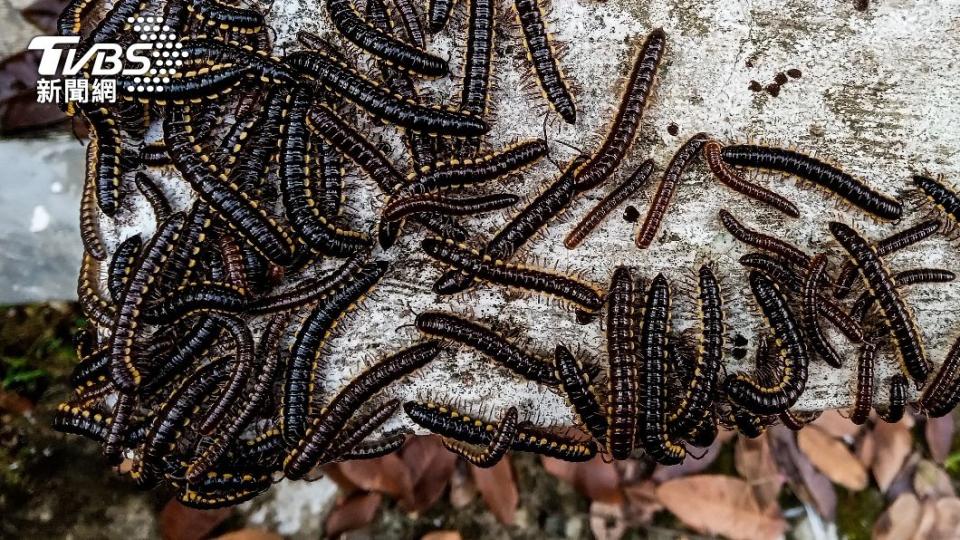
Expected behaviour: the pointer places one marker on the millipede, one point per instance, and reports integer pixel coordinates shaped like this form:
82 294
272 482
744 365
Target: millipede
205 83
908 277
121 264
943 392
668 186
897 405
155 196
765 242
438 11
622 398
89 226
375 449
240 370
225 17
104 167
787 161
810 312
615 198
543 59
942 196
355 433
461 172
863 394
911 354
734 180
474 95
501 440
193 299
579 392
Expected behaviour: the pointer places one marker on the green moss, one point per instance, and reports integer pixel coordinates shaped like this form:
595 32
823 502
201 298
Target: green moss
857 512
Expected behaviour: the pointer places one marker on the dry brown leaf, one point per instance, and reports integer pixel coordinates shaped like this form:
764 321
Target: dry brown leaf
595 479
250 534
939 435
903 481
387 474
642 503
716 504
14 403
177 522
931 482
462 490
809 484
928 520
948 518
418 452
832 457
442 535
865 448
352 513
755 463
498 488
894 443
836 425
607 521
431 466
900 520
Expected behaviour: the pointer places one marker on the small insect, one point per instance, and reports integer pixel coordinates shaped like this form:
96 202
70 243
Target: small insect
912 357
617 196
668 186
943 393
500 441
395 52
487 342
576 386
863 396
484 267
541 55
896 242
822 174
898 400
622 398
121 265
735 181
810 312
624 128
779 396
765 242
324 428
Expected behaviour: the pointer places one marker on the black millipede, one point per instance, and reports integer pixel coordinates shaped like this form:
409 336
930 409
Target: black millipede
543 58
410 19
89 220
579 392
92 304
298 191
234 265
269 69
447 422
942 196
908 277
329 177
629 113
784 249
226 17
232 205
191 346
155 196
912 357
121 264
863 395
90 367
104 166
323 429
735 181
155 154
119 425
466 171
943 392
220 499
483 267
749 424
797 420
183 261
370 96
782 393
70 20
303 363
653 329
478 66
307 291
401 207
438 11
622 396
617 196
240 370
699 392
350 23
208 82
501 440
810 312
80 421
787 161
897 405
907 237
375 449
779 272
112 24
487 342
259 148
668 186
354 434
204 297
123 366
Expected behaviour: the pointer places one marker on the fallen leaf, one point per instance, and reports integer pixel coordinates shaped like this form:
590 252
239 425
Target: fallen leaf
903 481
642 503
250 534
43 14
462 490
498 488
836 425
931 482
333 472
894 443
178 522
832 458
809 484
442 535
606 521
900 520
387 474
595 479
431 466
14 403
939 435
716 504
690 465
928 520
755 463
865 448
352 513
948 518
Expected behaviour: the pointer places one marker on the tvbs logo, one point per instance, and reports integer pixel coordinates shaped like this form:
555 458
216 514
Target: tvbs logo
146 64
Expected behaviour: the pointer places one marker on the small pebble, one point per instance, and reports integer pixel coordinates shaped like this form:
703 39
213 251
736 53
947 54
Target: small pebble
781 78
773 89
631 214
795 73
755 86
673 129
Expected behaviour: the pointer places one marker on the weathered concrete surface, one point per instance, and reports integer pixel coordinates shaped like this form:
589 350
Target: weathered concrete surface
878 95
